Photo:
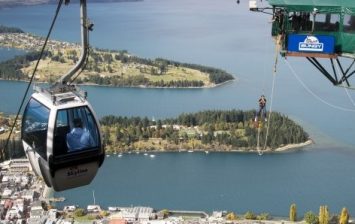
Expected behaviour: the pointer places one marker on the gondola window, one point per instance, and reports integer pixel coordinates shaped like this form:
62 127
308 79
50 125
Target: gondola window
35 127
75 131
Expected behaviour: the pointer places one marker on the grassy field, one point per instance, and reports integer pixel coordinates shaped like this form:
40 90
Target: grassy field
51 70
119 65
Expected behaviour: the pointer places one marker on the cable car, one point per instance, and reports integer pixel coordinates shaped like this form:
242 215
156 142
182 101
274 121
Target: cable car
316 29
60 131
62 139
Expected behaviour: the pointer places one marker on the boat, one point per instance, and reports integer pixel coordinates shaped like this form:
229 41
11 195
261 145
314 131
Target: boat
152 156
120 155
207 152
190 151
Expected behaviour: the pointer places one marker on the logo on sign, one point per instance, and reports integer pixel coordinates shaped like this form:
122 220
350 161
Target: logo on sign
311 43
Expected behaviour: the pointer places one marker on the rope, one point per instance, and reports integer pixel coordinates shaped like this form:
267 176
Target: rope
315 95
345 88
32 77
271 104
277 50
258 140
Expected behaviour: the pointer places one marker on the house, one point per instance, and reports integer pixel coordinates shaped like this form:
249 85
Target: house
69 208
19 204
8 204
53 213
137 213
144 213
129 214
93 208
13 213
113 209
37 212
19 165
28 195
5 179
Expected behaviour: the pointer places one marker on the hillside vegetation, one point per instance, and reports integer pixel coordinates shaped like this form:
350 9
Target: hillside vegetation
103 67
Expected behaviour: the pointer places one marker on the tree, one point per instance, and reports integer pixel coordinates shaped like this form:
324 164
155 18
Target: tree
323 215
250 215
344 216
311 218
293 213
231 216
79 212
263 216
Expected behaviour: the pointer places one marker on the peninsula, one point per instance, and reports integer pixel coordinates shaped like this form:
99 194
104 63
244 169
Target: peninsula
212 130
103 67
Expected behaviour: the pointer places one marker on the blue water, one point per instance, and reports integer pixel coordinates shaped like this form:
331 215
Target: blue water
225 35
227 181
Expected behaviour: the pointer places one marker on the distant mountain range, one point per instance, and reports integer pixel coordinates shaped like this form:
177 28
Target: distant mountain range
13 3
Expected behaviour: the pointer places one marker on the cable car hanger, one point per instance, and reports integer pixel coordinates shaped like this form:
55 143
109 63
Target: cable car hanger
60 132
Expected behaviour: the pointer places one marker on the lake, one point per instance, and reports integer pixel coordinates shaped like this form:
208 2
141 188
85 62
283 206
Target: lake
224 35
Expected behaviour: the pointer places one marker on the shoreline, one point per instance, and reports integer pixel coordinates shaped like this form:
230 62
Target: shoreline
137 87
282 149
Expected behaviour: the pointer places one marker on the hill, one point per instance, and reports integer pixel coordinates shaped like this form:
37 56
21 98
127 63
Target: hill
104 67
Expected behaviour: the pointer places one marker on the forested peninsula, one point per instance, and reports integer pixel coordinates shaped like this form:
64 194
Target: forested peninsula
212 130
103 67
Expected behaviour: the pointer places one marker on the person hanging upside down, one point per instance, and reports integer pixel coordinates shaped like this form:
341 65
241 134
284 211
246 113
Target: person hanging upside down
262 109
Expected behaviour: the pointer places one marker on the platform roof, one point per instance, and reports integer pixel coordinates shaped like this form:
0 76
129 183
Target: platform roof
331 6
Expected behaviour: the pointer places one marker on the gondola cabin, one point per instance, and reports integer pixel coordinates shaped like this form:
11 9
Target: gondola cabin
62 139
315 29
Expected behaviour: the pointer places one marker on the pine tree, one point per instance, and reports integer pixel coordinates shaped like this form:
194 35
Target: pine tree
344 216
293 213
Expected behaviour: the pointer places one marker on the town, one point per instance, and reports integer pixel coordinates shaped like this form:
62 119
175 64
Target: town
25 199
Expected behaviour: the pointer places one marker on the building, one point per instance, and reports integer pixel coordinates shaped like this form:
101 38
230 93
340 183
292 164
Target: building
13 214
69 208
6 193
137 213
93 208
28 195
20 165
36 210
